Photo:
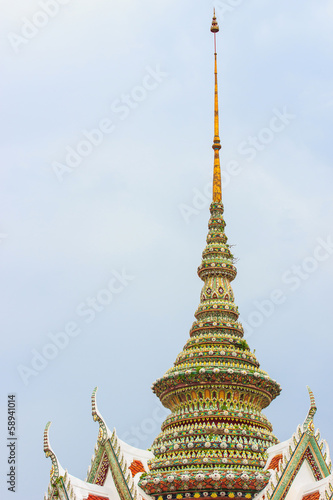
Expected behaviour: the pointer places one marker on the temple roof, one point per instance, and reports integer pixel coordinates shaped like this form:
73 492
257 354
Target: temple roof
312 496
113 473
94 497
299 468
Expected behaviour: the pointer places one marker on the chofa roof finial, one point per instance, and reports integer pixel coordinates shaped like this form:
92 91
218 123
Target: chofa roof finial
103 430
308 423
54 472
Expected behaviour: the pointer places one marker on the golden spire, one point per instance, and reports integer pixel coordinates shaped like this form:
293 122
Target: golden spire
217 190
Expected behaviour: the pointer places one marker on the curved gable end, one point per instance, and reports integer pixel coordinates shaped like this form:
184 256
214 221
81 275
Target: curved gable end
299 464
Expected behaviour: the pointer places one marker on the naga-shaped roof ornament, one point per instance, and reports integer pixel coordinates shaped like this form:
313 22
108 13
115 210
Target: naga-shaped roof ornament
103 434
308 425
55 469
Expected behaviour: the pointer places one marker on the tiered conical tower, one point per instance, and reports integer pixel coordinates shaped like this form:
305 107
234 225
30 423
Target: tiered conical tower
214 441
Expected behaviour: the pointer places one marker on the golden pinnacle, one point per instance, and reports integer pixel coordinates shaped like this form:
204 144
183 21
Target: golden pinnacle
214 27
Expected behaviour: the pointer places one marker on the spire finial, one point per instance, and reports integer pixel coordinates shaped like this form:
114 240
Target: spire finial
217 189
215 27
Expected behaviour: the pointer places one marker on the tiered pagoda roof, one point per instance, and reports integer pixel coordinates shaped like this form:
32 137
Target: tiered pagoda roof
216 437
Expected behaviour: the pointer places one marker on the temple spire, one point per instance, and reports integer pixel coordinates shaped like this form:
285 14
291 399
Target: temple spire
217 190
213 443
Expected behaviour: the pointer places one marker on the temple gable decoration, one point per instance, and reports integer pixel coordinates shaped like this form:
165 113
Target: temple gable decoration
109 475
299 464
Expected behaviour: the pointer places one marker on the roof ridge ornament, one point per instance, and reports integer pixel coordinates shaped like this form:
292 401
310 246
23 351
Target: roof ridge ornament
308 425
54 472
103 433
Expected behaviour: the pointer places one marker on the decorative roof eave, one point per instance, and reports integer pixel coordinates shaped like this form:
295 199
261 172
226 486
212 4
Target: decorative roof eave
323 488
99 466
213 374
305 443
66 489
76 489
119 468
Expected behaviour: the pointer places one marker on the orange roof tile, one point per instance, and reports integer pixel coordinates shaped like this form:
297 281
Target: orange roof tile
312 496
136 466
94 497
274 464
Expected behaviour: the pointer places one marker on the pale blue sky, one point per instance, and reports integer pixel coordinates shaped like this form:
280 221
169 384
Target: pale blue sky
122 207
